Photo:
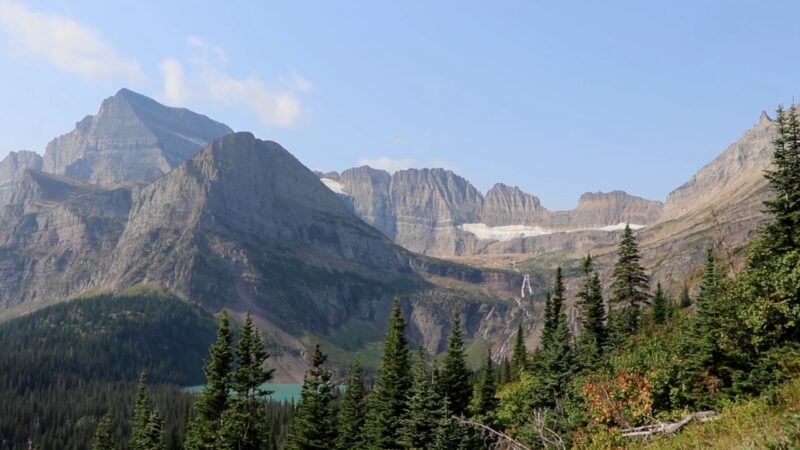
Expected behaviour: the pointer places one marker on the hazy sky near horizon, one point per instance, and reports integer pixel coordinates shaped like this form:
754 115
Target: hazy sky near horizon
558 98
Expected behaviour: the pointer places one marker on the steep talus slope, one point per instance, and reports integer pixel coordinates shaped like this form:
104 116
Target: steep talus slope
132 138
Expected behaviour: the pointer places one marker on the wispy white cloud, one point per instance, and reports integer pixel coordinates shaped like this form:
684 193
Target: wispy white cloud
64 43
203 77
387 164
272 106
204 53
175 91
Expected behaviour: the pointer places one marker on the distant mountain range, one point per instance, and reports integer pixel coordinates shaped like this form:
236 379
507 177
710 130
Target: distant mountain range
144 194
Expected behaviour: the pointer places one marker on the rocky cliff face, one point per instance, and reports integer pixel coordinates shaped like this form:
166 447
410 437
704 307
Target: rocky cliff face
132 138
436 212
242 225
12 168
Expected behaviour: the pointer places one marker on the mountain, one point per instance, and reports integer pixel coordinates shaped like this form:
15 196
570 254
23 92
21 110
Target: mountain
241 225
439 213
12 167
131 139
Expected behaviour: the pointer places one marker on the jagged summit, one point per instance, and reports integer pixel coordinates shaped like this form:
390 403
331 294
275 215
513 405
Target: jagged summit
132 138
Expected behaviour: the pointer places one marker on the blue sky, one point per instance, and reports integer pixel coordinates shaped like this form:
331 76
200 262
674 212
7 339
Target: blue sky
558 98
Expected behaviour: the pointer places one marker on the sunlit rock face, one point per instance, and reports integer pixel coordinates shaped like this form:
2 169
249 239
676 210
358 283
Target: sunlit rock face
131 139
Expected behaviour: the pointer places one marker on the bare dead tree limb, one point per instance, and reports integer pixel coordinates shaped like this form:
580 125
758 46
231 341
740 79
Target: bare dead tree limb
500 435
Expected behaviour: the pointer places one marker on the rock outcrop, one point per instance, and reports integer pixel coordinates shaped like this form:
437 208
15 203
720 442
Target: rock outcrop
131 139
436 212
12 168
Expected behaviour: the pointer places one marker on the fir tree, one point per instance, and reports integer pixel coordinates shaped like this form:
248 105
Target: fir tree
387 403
141 416
700 348
557 357
313 424
593 331
484 400
629 286
782 234
153 432
103 439
520 355
204 431
454 379
244 422
660 306
549 323
418 427
449 434
353 410
505 372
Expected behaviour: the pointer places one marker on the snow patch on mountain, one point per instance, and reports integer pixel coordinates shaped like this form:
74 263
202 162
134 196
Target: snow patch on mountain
509 232
334 185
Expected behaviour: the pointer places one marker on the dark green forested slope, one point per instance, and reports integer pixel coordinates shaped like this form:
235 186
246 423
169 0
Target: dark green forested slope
64 366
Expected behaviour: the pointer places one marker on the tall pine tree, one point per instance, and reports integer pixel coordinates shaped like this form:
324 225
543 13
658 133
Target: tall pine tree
244 422
519 360
782 234
593 330
484 400
141 416
153 432
700 348
629 287
455 376
103 435
204 431
423 404
352 410
558 356
313 424
387 403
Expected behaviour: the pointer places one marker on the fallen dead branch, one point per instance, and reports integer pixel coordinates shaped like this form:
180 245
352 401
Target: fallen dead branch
669 427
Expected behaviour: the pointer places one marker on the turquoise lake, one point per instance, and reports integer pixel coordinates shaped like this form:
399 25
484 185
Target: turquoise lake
281 391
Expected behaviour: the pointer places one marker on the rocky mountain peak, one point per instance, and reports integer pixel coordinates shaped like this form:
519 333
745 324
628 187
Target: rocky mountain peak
12 168
506 205
131 138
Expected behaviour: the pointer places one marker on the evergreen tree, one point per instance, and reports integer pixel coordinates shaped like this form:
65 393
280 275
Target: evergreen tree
313 424
418 427
520 355
593 331
699 347
455 376
153 434
783 233
660 306
141 416
204 431
484 400
559 359
686 301
387 403
244 422
549 323
353 410
449 434
629 286
103 439
505 372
